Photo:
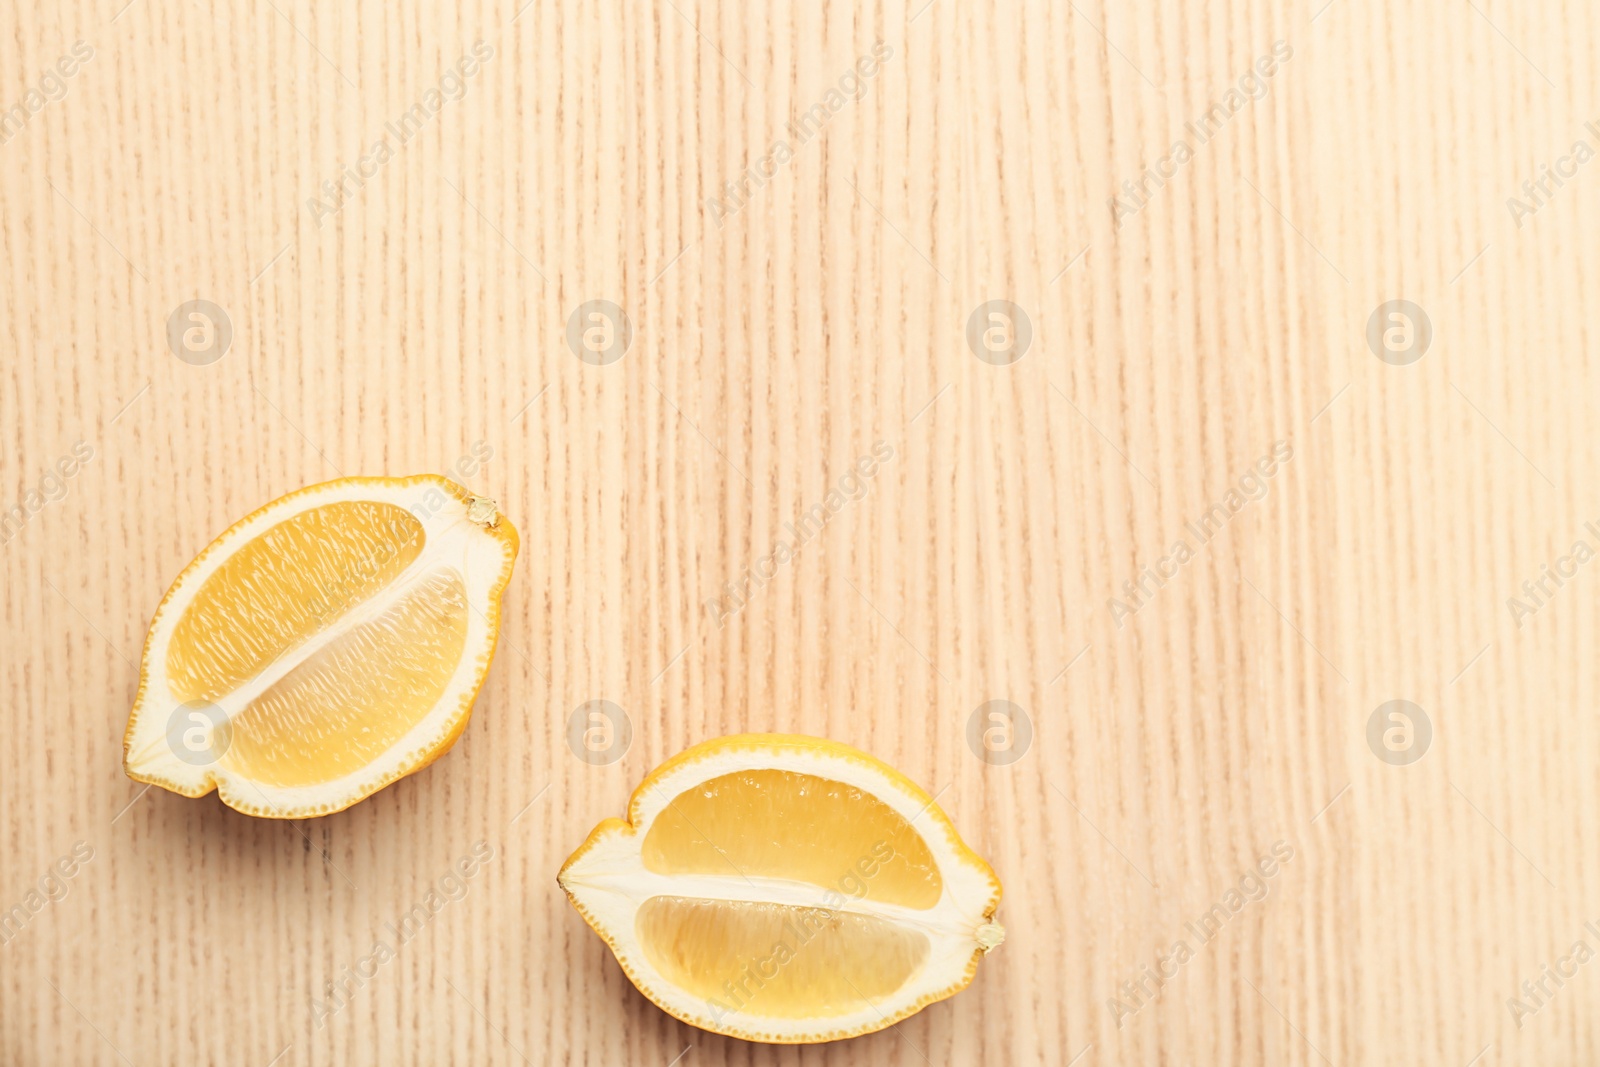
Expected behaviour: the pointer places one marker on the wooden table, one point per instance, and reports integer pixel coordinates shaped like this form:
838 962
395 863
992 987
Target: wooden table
829 228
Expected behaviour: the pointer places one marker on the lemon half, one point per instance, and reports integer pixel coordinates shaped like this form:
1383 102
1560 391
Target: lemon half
322 647
786 889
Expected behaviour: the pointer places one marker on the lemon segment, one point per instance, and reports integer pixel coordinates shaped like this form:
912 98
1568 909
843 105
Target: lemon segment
323 646
285 586
782 960
314 725
785 889
726 825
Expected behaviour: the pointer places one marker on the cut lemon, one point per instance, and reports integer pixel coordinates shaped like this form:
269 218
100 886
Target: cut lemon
323 646
786 889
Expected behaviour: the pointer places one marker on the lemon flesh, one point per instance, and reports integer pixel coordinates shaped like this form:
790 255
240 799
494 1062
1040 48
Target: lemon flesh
323 646
831 833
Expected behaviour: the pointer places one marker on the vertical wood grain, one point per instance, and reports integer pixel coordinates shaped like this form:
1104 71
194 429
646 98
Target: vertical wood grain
773 345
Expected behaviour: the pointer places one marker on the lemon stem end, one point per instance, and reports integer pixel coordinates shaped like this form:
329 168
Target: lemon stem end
484 512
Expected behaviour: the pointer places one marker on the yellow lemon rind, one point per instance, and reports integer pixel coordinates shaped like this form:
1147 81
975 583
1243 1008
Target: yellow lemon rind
778 744
421 754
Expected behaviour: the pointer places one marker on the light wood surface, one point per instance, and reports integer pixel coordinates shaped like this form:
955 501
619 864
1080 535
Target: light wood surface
773 344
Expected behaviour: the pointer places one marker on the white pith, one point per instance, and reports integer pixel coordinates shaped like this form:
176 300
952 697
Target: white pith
609 882
451 542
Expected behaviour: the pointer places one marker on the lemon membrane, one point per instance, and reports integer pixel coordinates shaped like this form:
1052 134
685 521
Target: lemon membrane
323 646
786 889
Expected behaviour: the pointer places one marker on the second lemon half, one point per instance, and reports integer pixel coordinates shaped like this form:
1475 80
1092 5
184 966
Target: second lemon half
322 647
786 889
